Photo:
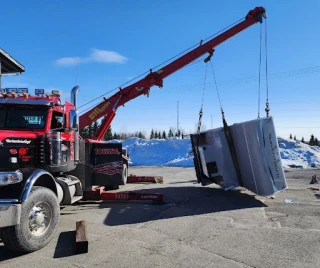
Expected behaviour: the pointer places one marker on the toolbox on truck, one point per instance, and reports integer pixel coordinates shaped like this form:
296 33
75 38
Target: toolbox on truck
100 163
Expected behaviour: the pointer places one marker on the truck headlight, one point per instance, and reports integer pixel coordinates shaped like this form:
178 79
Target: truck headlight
7 178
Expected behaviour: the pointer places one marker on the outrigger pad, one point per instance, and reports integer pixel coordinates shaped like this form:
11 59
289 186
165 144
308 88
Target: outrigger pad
257 155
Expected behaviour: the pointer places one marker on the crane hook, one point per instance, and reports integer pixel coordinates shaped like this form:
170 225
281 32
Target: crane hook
209 57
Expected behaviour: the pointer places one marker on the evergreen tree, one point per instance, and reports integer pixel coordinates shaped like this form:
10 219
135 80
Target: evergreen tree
155 135
159 135
140 135
170 133
90 132
152 135
295 137
316 142
311 142
108 136
302 140
178 133
84 133
290 136
95 127
182 136
164 136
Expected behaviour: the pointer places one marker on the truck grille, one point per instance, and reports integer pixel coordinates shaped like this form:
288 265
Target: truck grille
40 152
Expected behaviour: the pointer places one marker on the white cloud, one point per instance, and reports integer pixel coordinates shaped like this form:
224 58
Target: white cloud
67 61
96 55
106 56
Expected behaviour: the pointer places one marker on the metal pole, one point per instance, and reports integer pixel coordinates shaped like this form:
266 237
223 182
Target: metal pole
211 121
177 117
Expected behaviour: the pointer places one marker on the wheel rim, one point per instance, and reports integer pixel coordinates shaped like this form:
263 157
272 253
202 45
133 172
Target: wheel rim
40 218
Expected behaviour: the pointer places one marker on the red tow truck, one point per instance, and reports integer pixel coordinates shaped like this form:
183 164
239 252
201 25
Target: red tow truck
44 161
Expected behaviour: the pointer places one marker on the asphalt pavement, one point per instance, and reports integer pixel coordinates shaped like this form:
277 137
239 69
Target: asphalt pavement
196 227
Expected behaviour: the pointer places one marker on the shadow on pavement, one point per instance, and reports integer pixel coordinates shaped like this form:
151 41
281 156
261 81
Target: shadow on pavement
66 245
179 182
179 202
6 254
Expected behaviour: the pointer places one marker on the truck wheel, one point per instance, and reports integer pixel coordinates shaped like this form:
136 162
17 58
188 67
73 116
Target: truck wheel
40 215
124 174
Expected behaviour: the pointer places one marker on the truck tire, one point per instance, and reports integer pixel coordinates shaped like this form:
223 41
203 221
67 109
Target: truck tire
33 232
124 174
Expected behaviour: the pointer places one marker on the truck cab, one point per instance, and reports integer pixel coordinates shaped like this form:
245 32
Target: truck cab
45 164
28 123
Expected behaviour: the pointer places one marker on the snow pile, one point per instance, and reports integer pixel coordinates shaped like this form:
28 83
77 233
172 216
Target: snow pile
296 154
177 152
159 152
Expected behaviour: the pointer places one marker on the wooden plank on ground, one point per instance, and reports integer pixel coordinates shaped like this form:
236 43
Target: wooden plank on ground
158 179
81 237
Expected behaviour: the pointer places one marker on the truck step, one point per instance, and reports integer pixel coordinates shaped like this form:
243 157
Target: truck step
69 181
76 198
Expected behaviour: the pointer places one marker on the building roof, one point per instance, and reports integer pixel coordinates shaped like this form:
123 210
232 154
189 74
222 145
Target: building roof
9 64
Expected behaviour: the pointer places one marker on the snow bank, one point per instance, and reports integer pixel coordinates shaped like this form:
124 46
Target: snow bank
159 152
176 152
296 154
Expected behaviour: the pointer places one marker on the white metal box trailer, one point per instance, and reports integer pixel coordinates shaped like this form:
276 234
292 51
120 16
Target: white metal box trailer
253 148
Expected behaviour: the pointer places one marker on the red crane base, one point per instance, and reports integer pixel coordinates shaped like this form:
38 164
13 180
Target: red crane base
101 194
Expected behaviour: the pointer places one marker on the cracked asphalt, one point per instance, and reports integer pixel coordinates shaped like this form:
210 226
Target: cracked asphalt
196 227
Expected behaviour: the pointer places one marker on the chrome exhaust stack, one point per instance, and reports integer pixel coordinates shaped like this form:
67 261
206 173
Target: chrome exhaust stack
73 96
73 100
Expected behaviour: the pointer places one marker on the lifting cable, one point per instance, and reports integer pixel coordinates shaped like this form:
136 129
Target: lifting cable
260 54
266 48
228 136
204 87
215 81
267 109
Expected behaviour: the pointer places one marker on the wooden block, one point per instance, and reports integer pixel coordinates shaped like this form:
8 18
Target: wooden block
81 237
158 179
314 188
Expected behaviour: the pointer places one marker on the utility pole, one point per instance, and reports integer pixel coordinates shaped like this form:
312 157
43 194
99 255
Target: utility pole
177 117
211 122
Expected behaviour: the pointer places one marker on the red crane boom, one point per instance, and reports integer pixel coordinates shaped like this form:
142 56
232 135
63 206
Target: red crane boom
108 107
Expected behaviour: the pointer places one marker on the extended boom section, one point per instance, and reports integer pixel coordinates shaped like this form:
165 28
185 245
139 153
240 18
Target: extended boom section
108 107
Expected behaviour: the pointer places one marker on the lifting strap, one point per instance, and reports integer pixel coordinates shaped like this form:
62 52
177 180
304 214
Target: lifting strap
232 150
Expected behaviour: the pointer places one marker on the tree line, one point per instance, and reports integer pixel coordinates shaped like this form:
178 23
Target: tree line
312 142
89 132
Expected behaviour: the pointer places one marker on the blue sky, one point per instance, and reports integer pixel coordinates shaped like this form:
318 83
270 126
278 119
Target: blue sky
118 40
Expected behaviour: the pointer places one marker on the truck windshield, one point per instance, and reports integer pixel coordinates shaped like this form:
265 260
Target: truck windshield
23 116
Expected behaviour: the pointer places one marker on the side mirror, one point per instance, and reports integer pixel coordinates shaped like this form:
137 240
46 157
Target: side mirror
73 122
